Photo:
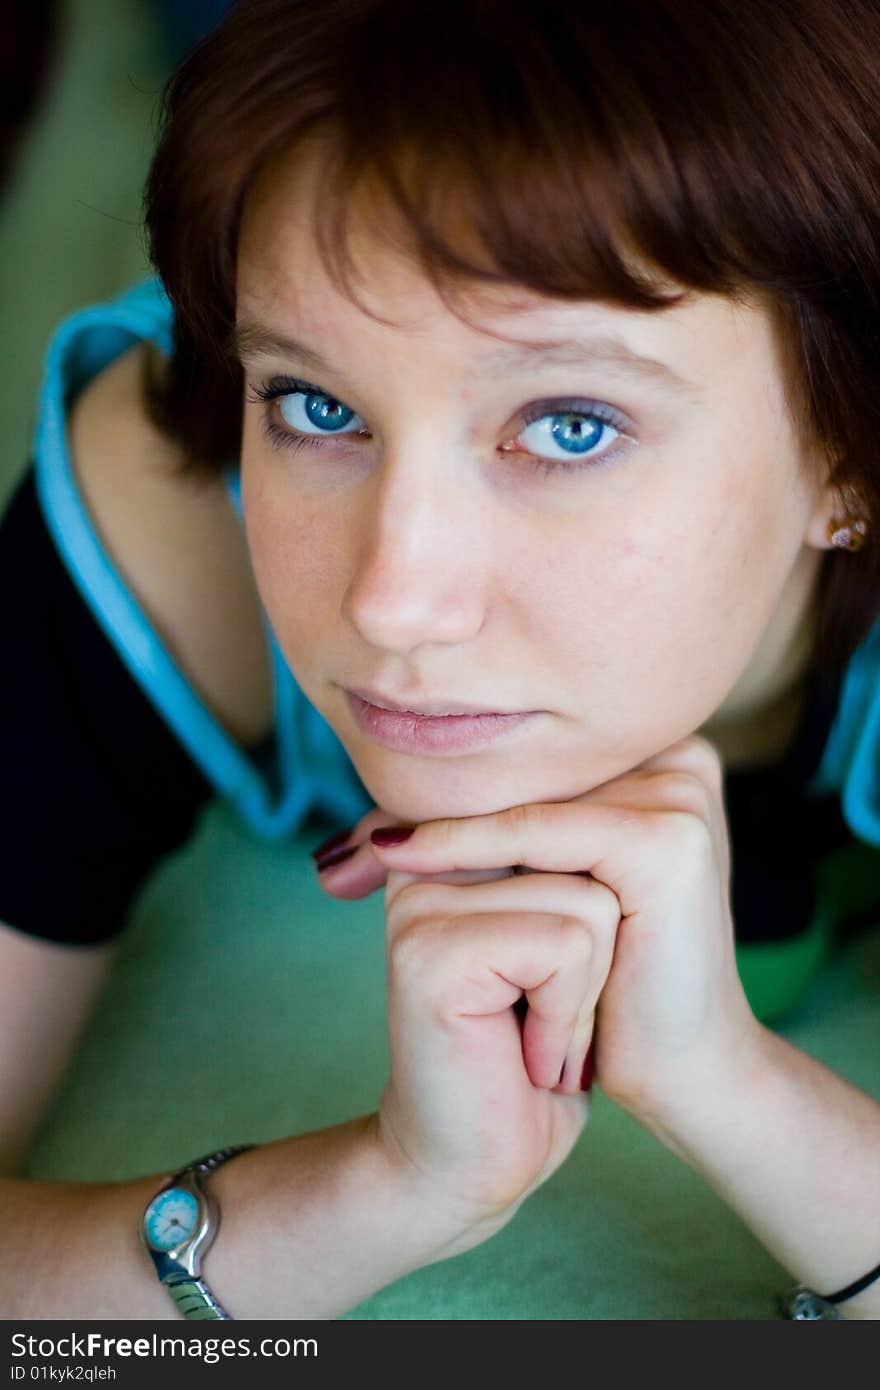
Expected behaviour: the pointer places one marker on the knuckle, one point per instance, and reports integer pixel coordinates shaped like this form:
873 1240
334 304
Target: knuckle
598 902
604 906
528 823
445 839
442 835
416 897
689 834
416 902
521 821
575 936
708 762
687 792
411 949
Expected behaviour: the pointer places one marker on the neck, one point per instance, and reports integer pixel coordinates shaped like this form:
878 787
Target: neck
764 739
758 722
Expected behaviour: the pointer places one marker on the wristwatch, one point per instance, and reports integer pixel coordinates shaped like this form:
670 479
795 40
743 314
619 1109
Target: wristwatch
178 1228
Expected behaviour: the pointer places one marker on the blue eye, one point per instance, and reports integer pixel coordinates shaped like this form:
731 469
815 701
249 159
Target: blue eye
314 413
569 435
557 435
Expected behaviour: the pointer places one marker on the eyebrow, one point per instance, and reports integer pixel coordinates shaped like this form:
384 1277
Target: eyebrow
254 341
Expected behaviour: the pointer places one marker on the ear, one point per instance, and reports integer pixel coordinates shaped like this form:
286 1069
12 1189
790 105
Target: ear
836 505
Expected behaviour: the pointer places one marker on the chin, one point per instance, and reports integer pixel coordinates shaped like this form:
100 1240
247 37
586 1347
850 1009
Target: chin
434 791
422 799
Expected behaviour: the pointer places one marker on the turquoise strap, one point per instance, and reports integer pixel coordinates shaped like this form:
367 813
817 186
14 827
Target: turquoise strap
274 804
850 762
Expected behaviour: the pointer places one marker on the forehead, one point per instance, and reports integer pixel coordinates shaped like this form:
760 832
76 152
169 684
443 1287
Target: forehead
287 292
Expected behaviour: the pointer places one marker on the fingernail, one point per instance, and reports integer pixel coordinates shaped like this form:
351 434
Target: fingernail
391 835
327 845
587 1073
334 857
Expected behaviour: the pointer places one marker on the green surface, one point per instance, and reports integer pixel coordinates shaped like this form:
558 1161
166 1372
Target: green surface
775 976
69 217
246 1005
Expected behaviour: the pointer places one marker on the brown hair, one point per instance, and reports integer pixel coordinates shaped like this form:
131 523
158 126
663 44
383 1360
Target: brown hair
731 144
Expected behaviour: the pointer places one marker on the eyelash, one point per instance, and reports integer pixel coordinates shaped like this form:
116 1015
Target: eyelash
269 391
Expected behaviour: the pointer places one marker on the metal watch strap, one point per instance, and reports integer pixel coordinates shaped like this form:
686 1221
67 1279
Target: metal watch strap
195 1300
206 1165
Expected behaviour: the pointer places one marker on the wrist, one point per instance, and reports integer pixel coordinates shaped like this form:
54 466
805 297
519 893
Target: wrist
791 1147
698 1098
315 1225
455 1223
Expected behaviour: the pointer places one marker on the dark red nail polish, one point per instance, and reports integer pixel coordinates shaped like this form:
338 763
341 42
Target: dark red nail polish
334 857
326 845
587 1073
391 835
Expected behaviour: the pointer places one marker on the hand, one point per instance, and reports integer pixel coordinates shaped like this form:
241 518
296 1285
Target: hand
479 1107
672 1015
483 1108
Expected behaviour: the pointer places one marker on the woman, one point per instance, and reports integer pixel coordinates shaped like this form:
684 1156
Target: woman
550 363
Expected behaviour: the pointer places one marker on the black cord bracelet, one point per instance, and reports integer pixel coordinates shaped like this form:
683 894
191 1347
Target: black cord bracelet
852 1289
804 1305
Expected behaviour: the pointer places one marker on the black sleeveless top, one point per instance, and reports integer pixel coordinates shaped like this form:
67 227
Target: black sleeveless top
777 834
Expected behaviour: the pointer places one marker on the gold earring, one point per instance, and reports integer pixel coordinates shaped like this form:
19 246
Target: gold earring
848 533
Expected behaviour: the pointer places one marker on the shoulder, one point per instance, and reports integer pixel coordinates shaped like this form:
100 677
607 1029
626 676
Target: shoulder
178 543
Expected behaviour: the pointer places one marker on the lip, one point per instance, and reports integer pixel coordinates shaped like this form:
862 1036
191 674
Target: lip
409 731
432 708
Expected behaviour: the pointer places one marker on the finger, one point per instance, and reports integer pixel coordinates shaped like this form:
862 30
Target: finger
687 776
509 891
625 833
554 1008
618 845
400 878
695 754
699 758
571 1076
599 909
346 864
486 947
568 895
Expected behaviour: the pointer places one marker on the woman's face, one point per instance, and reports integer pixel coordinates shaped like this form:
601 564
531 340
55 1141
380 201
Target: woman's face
600 518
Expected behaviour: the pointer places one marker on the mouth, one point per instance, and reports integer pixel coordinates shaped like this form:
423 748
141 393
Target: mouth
437 708
434 727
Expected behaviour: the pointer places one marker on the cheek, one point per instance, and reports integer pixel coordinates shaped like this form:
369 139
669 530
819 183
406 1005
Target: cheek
298 554
697 591
671 599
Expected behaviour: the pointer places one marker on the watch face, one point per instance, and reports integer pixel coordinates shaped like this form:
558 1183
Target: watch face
171 1218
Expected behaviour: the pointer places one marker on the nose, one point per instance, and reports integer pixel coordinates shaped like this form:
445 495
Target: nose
422 557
